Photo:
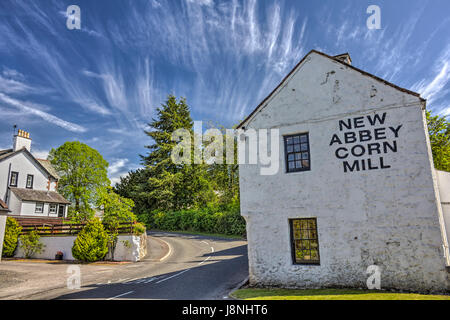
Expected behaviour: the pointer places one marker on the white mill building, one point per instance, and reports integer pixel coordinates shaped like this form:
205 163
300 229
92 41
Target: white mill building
356 184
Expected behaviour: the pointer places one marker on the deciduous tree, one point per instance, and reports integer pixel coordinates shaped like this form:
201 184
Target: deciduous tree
439 132
83 174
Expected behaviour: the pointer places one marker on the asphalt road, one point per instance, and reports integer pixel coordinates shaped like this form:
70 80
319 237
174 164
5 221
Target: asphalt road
195 268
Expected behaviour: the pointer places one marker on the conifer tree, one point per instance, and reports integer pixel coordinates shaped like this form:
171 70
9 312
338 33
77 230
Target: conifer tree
173 186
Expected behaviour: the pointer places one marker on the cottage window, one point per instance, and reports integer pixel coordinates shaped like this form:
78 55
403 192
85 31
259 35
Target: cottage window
52 208
14 178
296 149
39 207
305 241
30 179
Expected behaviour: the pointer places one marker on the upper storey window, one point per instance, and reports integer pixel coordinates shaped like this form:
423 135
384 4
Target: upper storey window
14 178
296 149
30 179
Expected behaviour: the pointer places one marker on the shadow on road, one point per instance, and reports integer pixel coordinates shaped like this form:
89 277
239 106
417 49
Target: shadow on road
202 281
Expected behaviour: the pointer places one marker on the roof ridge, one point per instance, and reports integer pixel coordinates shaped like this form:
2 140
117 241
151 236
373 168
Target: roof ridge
9 154
334 59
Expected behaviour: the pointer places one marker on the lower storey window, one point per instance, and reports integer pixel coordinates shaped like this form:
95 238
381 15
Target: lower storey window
39 207
304 241
52 208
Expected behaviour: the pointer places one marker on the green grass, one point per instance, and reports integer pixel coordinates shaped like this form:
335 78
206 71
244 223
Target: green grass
216 235
329 294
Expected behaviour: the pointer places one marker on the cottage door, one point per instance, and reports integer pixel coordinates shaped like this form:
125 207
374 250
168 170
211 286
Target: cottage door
61 210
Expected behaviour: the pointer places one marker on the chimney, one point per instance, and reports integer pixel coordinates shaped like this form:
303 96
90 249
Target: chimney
345 57
22 140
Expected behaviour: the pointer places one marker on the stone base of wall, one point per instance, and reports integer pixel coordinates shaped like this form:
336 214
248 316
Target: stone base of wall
129 248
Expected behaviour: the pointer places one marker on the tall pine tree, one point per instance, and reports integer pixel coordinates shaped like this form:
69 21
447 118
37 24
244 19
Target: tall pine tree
173 186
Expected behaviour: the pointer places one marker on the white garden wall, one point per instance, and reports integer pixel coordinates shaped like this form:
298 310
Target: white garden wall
135 252
2 231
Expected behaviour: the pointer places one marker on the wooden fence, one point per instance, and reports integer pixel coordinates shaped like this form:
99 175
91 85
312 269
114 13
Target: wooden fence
45 229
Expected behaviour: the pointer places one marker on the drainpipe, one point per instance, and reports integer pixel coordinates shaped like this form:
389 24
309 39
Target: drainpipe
7 185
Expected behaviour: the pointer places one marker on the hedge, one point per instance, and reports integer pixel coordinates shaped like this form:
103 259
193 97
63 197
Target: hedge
197 220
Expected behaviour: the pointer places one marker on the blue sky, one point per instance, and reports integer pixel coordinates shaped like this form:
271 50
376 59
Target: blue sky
101 84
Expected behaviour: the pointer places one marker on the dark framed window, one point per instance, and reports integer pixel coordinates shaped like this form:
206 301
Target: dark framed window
14 178
296 150
52 208
30 179
39 207
304 241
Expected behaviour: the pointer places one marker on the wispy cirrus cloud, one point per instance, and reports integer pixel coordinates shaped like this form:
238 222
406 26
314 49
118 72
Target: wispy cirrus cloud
437 86
223 56
28 108
199 33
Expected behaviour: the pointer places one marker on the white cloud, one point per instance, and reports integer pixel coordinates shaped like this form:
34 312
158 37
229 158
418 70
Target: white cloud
12 86
116 165
11 73
28 110
40 154
437 86
119 168
202 2
156 4
94 107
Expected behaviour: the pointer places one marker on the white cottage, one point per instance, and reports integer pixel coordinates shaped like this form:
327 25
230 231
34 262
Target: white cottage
355 187
28 186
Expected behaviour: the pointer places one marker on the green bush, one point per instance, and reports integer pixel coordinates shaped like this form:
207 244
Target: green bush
227 222
139 229
30 244
91 243
11 238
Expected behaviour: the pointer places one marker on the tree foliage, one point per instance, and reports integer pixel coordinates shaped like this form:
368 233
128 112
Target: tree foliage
439 132
83 174
116 210
171 186
163 187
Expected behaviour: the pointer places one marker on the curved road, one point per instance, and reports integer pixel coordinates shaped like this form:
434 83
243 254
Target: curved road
196 267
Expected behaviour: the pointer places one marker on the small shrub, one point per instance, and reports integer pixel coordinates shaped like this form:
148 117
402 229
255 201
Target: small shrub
11 238
30 244
91 243
138 229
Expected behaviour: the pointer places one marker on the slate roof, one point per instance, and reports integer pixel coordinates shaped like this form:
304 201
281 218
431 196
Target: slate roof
5 153
47 165
39 195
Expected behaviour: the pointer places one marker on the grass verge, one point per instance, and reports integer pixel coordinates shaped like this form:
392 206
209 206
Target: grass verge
329 294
